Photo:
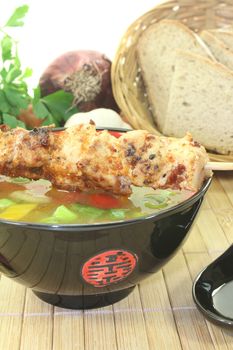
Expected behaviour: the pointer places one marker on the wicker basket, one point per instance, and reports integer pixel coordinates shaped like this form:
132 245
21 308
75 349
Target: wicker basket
127 83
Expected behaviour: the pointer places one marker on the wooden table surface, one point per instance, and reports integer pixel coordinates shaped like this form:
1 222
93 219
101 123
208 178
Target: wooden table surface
159 314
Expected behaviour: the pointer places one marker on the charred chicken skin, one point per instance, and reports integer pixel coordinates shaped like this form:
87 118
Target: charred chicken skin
81 158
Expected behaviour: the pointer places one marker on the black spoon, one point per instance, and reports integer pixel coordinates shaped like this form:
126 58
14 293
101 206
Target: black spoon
213 290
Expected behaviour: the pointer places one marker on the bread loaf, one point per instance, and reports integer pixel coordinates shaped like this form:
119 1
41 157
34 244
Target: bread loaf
156 56
201 101
218 48
225 35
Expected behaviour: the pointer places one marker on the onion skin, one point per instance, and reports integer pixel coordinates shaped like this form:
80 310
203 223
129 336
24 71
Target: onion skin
62 70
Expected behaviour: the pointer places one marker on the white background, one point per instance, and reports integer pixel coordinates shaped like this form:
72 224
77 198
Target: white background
53 27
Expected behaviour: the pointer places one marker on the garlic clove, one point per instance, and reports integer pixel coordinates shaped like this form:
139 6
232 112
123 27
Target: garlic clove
102 117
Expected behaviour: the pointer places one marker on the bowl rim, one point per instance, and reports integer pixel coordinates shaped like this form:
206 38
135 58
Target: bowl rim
103 225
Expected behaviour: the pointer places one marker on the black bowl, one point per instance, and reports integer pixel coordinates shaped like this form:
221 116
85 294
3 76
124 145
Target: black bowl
90 266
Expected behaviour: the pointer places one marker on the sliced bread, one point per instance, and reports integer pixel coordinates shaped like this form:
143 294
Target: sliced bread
201 102
218 48
156 54
225 35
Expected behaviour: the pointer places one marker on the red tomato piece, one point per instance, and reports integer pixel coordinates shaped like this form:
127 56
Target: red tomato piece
115 133
104 201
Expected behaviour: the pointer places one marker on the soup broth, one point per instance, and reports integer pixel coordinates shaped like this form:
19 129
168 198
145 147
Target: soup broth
38 201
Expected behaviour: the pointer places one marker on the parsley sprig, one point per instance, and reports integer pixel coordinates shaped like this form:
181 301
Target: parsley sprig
14 95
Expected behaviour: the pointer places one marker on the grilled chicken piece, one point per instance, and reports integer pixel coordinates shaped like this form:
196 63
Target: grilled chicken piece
24 153
163 162
85 159
76 158
82 158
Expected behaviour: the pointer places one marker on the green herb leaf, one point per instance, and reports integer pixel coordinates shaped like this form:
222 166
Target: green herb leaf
16 19
16 62
4 104
40 110
3 73
12 74
69 112
12 121
59 104
14 94
16 99
27 73
37 95
49 120
21 87
54 109
6 46
15 111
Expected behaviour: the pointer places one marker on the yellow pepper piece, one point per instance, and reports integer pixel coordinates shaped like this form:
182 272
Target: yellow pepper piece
17 211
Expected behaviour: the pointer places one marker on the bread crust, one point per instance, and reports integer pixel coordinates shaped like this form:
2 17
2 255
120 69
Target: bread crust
157 76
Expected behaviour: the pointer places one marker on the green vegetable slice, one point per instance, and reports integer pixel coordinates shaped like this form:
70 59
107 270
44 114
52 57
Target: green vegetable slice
118 214
62 213
159 197
19 180
86 210
49 220
155 206
5 202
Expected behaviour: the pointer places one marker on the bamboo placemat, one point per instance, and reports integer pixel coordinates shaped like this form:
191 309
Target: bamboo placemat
159 314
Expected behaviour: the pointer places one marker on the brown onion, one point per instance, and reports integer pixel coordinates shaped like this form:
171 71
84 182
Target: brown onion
29 118
86 74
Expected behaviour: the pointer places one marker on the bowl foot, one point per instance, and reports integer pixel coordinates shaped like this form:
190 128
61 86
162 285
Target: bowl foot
84 301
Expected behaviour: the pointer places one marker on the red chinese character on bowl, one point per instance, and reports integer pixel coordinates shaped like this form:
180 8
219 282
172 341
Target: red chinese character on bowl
109 267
